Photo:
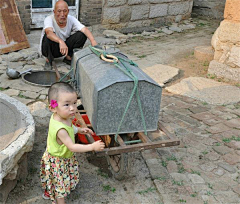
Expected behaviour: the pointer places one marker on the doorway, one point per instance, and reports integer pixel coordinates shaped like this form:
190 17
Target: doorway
43 8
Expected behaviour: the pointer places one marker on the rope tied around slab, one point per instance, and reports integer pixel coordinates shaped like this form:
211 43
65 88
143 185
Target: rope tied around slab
117 61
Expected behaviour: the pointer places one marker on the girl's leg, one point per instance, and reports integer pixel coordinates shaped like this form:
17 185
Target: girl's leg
60 201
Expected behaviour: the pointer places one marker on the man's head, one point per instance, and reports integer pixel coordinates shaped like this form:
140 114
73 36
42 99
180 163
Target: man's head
61 12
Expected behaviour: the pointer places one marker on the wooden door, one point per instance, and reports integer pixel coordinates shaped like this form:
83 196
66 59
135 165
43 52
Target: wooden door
12 35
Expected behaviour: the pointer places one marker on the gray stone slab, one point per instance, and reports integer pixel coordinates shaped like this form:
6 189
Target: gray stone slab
158 10
3 67
179 8
40 61
196 179
227 167
207 90
106 90
176 29
111 15
156 169
162 73
140 12
11 92
167 31
30 94
179 177
222 149
112 3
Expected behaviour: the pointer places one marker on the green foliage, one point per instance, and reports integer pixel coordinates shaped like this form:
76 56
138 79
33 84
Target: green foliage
179 183
209 193
195 172
162 178
194 194
227 140
164 163
211 76
142 56
171 158
201 24
20 95
210 185
150 189
108 188
205 152
99 172
181 169
206 64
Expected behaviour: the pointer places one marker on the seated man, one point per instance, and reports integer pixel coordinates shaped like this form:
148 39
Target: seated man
62 33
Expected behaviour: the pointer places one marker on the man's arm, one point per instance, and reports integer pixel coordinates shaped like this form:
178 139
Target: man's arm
89 35
53 37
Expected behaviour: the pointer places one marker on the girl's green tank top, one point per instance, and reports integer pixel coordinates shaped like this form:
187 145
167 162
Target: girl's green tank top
52 145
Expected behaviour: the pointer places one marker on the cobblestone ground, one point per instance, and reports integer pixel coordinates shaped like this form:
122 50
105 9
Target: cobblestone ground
205 167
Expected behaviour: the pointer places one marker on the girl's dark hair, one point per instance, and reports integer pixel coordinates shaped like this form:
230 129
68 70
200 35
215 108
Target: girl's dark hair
56 88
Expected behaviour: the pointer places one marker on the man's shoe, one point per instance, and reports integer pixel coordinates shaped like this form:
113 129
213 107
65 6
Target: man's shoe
65 60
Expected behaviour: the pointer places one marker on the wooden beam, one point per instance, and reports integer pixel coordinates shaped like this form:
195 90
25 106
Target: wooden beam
138 147
143 137
171 136
120 141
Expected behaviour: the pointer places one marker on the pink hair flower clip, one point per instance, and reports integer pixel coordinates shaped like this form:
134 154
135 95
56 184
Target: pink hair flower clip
53 103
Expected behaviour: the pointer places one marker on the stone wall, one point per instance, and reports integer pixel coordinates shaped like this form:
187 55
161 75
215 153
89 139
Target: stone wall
226 41
138 13
90 12
211 8
24 9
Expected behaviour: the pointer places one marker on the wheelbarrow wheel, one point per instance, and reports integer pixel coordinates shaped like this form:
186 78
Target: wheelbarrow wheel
118 165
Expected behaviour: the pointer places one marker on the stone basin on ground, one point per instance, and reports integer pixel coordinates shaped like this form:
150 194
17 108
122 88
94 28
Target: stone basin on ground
17 130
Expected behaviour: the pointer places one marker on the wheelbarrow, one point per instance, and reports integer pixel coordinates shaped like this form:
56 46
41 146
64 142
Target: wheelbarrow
121 105
116 152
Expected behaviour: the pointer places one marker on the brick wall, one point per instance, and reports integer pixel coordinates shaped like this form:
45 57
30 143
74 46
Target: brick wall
24 9
90 12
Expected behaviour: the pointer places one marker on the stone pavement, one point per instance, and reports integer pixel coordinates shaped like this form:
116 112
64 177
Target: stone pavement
203 169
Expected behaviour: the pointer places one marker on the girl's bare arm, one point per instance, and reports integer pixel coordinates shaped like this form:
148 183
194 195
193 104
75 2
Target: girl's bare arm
65 139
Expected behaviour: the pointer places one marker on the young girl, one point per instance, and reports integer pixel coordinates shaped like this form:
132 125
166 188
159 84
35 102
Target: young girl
59 167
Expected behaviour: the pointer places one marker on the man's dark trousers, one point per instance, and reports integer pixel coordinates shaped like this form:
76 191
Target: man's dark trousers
51 50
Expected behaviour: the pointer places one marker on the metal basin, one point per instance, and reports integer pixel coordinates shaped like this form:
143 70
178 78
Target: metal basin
41 78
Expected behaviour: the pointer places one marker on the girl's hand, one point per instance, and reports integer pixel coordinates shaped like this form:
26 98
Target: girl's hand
86 131
98 145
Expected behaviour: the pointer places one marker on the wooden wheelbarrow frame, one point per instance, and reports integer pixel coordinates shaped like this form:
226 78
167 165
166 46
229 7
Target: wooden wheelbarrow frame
146 143
116 153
